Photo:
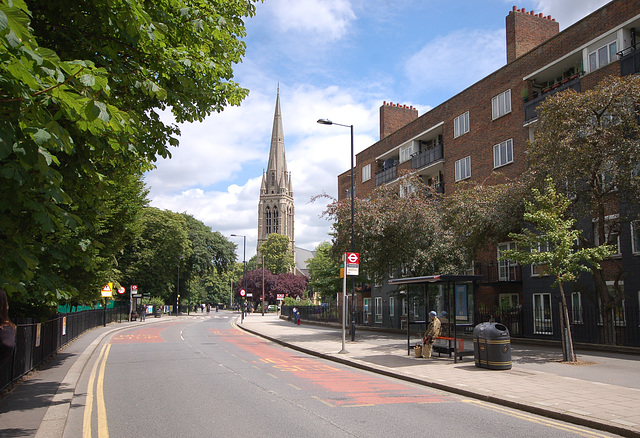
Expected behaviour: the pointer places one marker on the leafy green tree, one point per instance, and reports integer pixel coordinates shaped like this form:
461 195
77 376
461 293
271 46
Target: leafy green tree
277 254
81 87
551 243
395 232
152 261
589 143
324 270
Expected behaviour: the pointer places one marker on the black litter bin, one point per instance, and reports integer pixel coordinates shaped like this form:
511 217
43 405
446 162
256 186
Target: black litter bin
492 346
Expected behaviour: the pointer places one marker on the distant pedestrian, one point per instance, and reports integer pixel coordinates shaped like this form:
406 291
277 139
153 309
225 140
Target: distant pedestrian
433 331
7 330
143 312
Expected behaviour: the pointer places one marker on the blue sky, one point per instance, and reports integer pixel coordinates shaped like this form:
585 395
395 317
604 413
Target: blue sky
335 59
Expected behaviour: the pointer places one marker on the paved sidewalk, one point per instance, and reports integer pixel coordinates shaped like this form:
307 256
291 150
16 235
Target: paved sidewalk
602 392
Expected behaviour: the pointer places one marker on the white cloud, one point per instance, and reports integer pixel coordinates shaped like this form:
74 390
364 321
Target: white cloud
455 61
326 19
233 146
568 12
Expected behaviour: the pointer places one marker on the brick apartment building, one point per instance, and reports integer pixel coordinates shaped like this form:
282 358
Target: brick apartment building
484 130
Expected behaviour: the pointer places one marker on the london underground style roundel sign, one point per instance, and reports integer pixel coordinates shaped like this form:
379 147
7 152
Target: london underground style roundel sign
243 292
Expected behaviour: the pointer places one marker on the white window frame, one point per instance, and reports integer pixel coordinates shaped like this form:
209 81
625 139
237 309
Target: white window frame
406 152
503 153
461 125
601 56
501 104
366 172
378 304
366 309
392 306
463 168
635 237
504 266
542 314
539 270
576 308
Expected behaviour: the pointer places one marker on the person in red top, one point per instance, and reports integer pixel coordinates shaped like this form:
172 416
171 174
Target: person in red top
7 329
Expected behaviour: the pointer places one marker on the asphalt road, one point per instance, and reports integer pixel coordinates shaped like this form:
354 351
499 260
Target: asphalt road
202 377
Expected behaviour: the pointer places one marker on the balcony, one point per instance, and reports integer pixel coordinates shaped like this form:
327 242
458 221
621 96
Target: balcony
629 61
531 105
388 174
427 157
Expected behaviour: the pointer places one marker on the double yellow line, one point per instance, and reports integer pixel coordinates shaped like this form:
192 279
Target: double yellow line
98 368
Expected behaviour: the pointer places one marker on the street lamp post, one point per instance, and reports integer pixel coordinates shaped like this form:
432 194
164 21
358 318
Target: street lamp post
178 290
353 242
244 268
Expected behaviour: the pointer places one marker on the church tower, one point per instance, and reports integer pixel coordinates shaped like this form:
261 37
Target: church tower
275 209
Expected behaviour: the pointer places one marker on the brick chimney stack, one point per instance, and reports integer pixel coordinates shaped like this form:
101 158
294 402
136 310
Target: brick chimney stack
527 30
394 116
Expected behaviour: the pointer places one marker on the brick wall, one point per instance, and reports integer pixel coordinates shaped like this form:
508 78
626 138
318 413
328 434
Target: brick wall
526 30
395 116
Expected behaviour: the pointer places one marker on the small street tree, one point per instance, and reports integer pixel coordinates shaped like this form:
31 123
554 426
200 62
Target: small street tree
277 255
589 143
324 272
550 242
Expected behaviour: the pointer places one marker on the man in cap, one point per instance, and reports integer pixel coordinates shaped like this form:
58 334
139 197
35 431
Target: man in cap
433 331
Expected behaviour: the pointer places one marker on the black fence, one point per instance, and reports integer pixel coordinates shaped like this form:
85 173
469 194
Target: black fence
589 326
37 341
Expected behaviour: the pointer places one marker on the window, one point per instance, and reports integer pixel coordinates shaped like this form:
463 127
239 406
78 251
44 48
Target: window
538 270
378 310
347 192
506 268
635 237
501 104
509 302
276 220
392 306
542 323
366 311
461 125
406 190
611 231
576 308
602 56
268 220
503 153
463 168
366 172
406 152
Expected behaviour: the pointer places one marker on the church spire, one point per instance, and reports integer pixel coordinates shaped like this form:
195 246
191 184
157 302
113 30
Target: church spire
277 161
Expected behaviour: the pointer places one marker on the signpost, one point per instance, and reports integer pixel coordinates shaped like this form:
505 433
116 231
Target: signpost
133 291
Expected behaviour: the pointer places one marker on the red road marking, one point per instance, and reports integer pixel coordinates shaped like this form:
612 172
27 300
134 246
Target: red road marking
350 387
142 335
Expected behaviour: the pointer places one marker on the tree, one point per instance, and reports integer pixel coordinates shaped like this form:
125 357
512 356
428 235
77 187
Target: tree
324 270
551 243
290 285
253 282
395 232
277 254
82 84
588 143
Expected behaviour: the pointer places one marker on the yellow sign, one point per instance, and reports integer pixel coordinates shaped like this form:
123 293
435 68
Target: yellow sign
107 290
341 272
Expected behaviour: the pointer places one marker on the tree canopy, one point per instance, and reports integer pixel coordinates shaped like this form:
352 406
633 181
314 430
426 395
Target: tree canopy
82 85
277 254
589 144
324 271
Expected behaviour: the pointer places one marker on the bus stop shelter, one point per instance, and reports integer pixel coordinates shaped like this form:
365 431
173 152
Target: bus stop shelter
450 282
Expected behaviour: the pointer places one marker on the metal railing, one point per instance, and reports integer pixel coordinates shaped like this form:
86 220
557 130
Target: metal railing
37 341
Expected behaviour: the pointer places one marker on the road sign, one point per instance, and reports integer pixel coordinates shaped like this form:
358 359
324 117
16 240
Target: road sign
280 297
136 295
121 290
134 288
243 292
353 263
107 289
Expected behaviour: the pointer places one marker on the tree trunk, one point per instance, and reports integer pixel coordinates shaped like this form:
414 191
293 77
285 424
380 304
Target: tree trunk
567 341
608 322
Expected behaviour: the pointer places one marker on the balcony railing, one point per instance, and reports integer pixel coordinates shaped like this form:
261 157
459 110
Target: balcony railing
387 175
427 157
629 61
530 106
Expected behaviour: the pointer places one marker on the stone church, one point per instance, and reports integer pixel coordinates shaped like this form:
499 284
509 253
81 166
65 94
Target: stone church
275 209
